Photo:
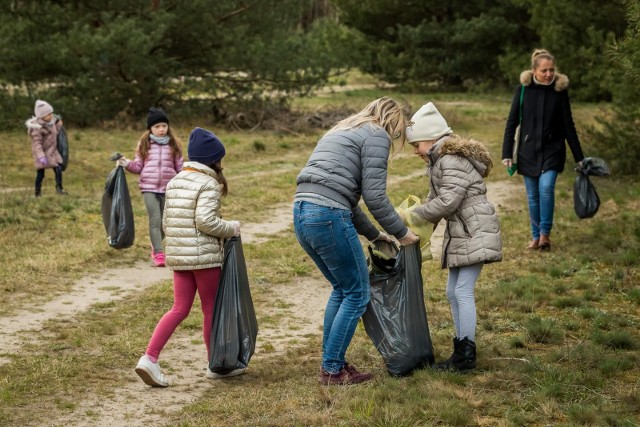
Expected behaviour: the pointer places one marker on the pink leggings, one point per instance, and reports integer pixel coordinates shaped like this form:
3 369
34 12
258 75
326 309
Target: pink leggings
185 284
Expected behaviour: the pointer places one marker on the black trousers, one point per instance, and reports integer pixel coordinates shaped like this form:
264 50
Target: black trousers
40 178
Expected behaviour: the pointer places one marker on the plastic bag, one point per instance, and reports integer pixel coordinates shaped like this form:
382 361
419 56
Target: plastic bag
396 319
235 327
63 147
586 201
117 212
422 228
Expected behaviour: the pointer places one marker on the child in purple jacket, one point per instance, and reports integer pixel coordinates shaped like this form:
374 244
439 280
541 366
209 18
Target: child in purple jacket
158 159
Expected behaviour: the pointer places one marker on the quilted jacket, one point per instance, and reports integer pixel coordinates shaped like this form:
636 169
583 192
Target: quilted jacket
157 169
458 194
347 165
44 142
192 223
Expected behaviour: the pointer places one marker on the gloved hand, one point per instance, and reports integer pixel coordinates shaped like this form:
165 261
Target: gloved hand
384 237
42 161
236 228
123 161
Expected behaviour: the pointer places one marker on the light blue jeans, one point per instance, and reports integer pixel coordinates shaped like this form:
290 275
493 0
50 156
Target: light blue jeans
329 237
541 196
461 284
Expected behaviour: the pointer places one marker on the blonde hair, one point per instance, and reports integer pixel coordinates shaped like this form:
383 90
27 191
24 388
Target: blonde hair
384 112
540 54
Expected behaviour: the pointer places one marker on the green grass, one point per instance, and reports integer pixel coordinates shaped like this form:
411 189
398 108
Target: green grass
557 332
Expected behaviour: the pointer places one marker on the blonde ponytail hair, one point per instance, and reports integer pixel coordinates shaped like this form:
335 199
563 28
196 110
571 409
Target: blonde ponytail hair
384 112
538 55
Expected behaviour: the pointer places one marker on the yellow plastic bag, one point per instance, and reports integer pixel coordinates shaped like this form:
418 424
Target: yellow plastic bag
419 226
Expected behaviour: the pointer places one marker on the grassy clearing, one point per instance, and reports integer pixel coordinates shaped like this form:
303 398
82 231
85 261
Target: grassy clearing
558 334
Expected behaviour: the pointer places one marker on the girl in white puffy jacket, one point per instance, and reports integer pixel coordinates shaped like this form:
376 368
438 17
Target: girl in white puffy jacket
194 241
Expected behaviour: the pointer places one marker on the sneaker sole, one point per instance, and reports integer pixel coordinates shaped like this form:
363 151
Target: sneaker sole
234 373
148 378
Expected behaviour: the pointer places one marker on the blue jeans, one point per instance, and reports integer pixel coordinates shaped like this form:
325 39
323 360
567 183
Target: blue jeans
329 237
541 196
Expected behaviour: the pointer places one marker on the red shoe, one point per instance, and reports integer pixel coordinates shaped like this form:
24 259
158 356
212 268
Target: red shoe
348 375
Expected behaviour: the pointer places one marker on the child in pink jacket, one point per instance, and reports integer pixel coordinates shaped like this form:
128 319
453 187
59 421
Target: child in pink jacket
43 128
158 159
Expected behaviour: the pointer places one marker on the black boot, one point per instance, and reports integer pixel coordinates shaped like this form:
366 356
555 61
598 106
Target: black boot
37 191
60 191
463 357
446 365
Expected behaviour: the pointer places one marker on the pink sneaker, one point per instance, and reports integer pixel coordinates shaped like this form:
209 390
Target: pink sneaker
159 259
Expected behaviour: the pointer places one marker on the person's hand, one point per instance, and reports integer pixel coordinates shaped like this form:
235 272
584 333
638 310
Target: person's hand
384 237
236 228
409 239
42 161
123 161
507 162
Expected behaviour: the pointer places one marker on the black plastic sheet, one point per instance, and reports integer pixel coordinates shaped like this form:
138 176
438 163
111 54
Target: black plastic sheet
63 147
396 319
235 327
586 201
117 212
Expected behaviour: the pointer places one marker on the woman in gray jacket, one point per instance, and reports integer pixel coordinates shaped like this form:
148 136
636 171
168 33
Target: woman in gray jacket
457 167
348 163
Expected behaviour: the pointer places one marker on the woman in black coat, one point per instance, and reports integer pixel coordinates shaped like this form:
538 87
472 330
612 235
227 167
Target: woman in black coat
541 105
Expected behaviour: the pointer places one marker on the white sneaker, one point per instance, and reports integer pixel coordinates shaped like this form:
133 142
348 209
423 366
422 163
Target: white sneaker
150 372
212 375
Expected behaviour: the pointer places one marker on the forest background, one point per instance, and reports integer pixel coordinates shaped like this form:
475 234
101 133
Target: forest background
558 331
240 63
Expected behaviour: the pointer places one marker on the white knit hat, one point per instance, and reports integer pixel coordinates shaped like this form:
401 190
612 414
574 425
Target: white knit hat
427 125
42 109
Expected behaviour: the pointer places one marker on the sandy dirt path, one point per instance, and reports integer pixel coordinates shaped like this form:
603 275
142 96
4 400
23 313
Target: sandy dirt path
184 358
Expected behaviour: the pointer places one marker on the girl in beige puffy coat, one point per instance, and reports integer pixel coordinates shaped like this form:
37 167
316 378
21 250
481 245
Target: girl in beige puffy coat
194 242
457 168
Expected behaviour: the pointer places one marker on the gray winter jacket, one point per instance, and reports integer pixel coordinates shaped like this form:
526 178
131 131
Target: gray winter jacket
347 165
459 195
194 230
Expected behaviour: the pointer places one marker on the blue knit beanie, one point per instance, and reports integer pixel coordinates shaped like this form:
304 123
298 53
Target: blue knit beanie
204 147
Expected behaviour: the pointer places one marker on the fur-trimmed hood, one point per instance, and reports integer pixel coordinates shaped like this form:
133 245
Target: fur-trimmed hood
33 123
474 151
561 81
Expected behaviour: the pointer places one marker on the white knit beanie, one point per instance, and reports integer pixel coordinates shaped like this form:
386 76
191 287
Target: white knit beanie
42 109
427 125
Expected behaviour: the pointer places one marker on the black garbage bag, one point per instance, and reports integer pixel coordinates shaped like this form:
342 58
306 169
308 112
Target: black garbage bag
396 319
586 201
63 147
235 327
117 212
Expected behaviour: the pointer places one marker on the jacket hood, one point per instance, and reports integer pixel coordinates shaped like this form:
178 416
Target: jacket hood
561 82
474 151
33 123
201 168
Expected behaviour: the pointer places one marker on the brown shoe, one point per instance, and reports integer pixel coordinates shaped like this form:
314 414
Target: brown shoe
545 243
348 375
535 244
